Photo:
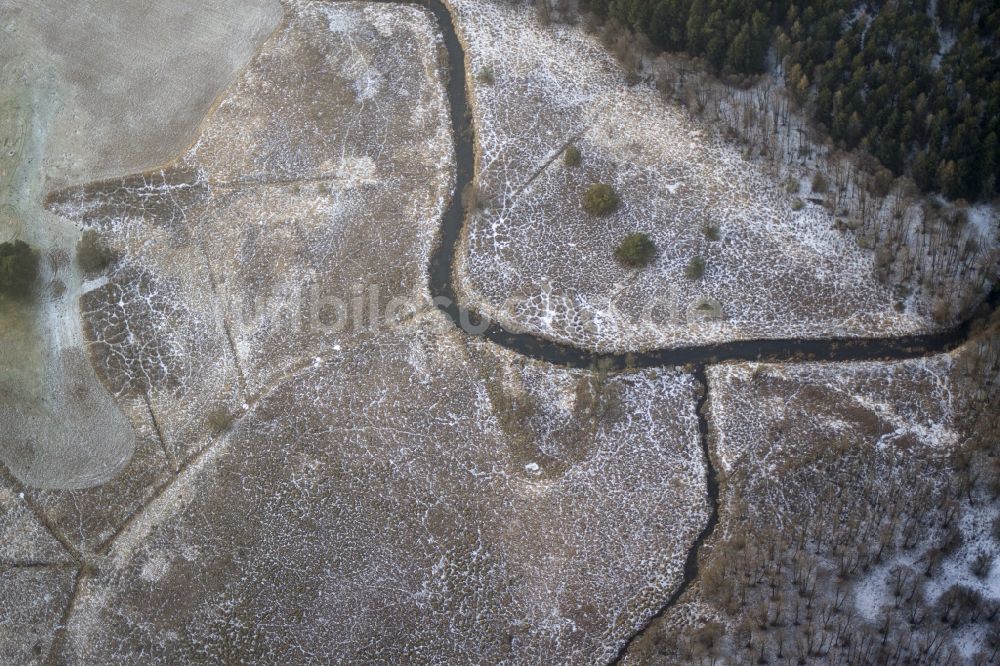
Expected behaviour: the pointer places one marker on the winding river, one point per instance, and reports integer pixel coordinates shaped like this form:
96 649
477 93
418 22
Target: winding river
542 349
695 357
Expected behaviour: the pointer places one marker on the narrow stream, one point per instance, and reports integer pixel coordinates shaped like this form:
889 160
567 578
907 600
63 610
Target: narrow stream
696 356
691 559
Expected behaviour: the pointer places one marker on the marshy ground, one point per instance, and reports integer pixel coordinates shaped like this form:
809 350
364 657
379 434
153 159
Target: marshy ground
278 466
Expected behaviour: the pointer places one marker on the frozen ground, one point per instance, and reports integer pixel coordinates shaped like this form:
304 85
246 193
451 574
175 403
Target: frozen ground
125 85
59 428
414 494
398 518
36 576
755 408
299 219
318 463
858 462
536 261
32 601
855 499
88 89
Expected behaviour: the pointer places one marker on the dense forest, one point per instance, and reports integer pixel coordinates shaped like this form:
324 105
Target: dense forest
916 83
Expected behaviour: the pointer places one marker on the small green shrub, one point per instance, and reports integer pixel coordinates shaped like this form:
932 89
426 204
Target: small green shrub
695 268
798 204
635 250
19 264
600 199
486 76
711 232
792 185
572 156
93 254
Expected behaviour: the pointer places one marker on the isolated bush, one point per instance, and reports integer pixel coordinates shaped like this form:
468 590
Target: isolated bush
18 268
798 204
695 268
93 254
572 156
600 199
485 76
711 232
709 308
635 250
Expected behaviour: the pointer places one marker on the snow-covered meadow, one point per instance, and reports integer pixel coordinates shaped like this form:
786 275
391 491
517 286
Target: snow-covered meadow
393 490
398 515
318 180
755 408
536 261
390 490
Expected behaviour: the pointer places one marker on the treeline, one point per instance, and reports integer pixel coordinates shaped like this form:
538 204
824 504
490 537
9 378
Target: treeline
920 92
